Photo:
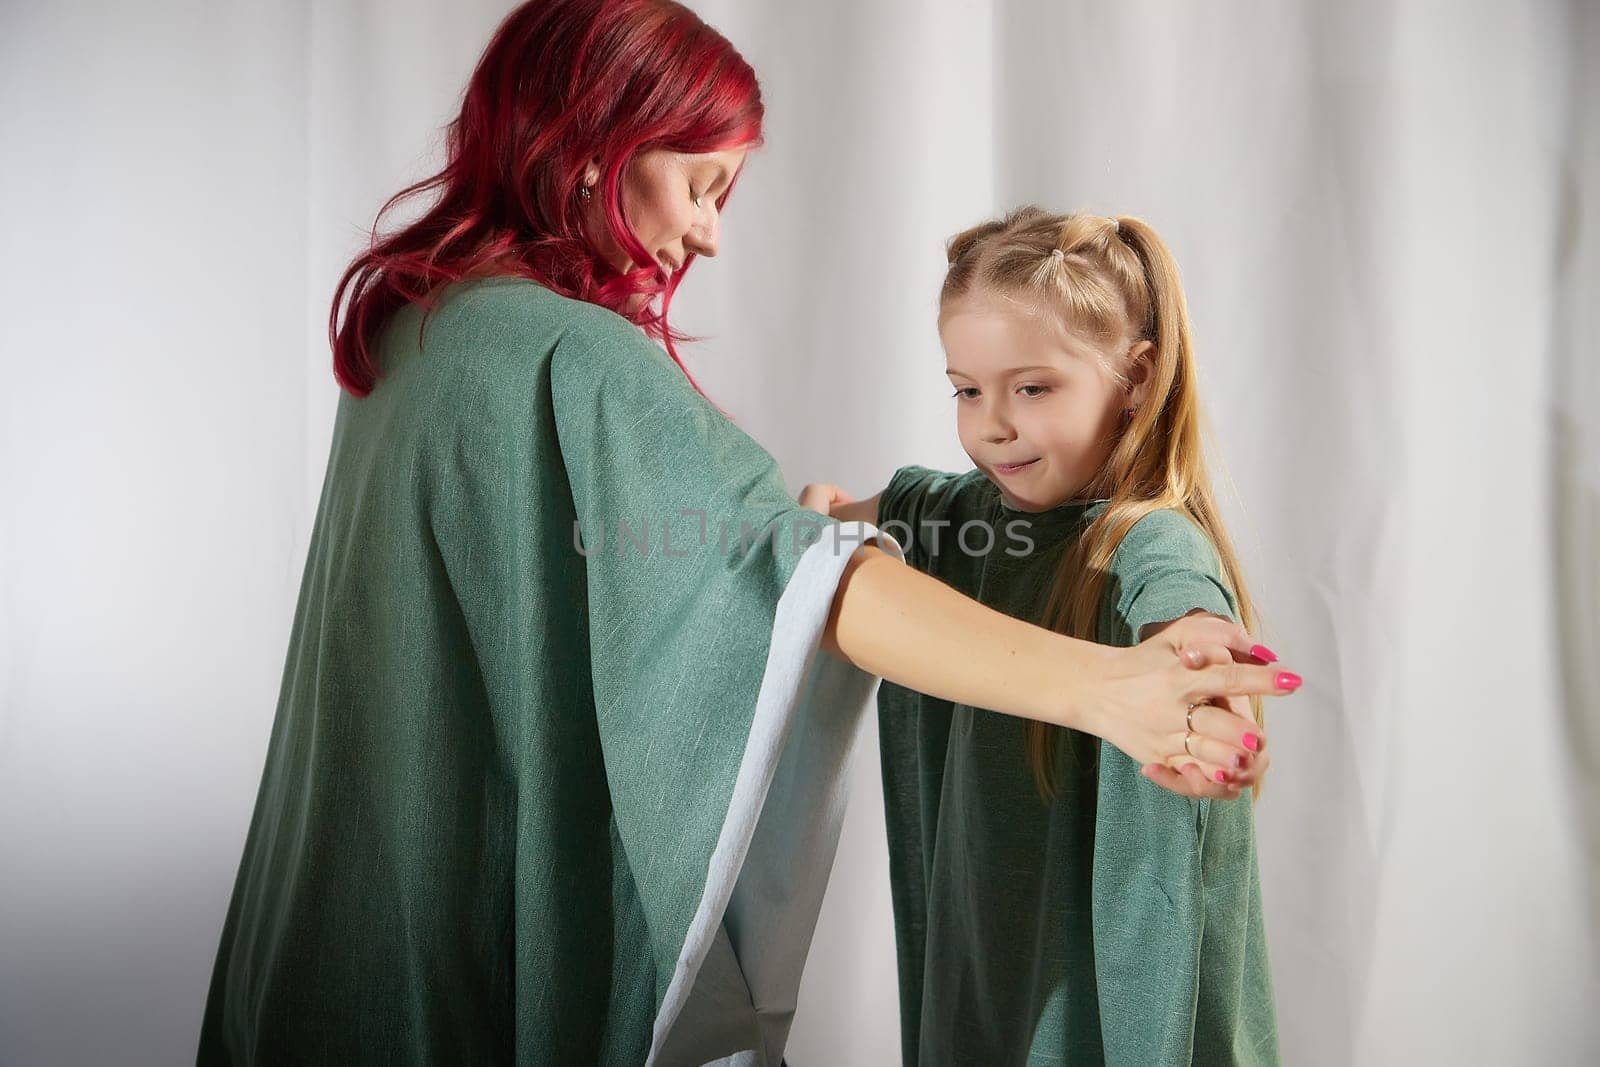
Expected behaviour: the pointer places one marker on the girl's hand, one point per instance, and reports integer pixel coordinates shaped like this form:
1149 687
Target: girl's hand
1244 771
1202 661
1197 778
820 496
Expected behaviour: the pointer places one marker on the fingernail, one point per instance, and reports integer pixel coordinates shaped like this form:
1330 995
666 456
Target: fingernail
1287 680
1238 763
1221 776
1262 652
1252 742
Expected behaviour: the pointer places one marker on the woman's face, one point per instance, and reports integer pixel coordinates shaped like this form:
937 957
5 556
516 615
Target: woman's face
669 199
1032 394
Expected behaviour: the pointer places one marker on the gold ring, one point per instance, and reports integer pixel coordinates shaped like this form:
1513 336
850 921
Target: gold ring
1188 720
1186 747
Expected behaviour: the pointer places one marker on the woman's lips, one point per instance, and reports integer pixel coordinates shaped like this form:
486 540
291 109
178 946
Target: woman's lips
1013 468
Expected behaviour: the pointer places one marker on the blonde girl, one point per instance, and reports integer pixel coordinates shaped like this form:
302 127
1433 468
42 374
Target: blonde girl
1052 904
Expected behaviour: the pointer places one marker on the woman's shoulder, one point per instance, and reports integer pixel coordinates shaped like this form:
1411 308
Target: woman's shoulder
532 309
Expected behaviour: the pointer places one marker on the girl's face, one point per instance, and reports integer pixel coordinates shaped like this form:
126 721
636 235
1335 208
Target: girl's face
1036 407
670 201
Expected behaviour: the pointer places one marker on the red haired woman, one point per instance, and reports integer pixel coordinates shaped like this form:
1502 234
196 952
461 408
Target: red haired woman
555 773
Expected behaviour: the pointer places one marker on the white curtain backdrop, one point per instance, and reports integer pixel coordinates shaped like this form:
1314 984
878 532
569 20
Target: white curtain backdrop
1386 215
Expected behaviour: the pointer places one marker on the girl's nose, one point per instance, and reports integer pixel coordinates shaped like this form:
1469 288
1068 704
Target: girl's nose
997 430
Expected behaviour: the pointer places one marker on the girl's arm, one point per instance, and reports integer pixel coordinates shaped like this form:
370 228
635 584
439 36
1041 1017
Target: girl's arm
896 622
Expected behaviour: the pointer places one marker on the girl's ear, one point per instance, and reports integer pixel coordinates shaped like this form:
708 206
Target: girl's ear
1141 364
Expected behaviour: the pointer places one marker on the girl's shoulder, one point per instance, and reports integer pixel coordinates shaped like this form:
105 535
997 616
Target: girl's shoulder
916 476
924 509
1169 534
927 494
1165 567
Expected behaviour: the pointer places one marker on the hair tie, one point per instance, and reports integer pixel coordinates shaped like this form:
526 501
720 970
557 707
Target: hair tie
1058 254
1116 227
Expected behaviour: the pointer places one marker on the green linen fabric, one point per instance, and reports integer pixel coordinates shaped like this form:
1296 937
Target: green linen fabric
533 797
1121 924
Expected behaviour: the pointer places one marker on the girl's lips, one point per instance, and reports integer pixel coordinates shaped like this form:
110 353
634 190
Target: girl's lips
1012 468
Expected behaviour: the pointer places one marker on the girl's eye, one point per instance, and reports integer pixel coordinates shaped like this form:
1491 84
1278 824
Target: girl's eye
969 392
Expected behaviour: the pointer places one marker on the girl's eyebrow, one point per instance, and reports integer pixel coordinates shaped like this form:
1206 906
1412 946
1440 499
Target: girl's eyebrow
1011 373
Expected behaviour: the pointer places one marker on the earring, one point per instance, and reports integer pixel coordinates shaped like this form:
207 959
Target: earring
584 194
1127 415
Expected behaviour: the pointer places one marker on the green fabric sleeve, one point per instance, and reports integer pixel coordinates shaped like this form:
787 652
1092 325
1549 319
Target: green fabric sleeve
922 508
1164 568
1180 954
725 732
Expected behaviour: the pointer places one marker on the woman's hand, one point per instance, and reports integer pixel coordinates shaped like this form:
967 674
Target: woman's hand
1206 662
820 496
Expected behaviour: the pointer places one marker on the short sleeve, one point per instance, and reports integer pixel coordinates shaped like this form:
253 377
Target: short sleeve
921 508
1164 568
725 730
1170 880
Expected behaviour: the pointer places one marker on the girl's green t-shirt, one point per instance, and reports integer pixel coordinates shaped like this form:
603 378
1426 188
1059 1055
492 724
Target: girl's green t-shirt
1120 924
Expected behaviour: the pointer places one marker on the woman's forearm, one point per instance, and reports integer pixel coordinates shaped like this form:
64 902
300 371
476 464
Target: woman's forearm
894 621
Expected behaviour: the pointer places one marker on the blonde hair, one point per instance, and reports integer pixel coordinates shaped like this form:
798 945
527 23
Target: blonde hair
1114 281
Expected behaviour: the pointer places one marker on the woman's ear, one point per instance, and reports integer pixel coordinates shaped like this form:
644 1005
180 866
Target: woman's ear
1141 367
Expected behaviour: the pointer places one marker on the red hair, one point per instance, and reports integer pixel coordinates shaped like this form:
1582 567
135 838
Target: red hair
562 82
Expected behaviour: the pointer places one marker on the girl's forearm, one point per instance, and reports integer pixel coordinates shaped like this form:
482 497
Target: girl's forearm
894 621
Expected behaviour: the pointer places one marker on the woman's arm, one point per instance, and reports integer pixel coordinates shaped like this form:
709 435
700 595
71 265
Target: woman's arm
836 503
896 622
859 510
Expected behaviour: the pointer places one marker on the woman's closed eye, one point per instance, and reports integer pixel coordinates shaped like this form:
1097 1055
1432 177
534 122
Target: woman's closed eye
711 187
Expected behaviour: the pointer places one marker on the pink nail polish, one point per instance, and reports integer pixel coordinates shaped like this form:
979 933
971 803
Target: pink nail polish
1287 680
1238 763
1252 742
1263 653
1221 777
